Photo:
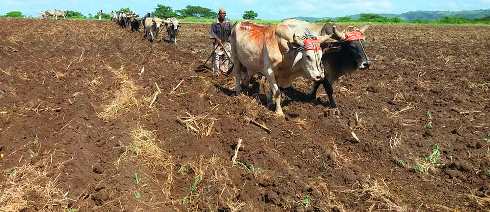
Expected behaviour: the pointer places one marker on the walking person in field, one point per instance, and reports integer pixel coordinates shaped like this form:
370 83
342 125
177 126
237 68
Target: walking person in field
220 33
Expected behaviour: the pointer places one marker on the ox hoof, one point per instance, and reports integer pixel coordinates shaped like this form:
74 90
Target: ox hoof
280 114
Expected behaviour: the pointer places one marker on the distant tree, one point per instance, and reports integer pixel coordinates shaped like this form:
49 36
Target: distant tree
124 10
74 14
250 15
14 14
369 17
197 12
163 11
454 20
486 18
395 20
344 19
325 20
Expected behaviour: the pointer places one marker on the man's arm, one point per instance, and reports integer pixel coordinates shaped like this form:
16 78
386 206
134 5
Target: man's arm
214 36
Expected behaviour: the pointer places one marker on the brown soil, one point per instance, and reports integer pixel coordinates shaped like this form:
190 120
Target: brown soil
77 130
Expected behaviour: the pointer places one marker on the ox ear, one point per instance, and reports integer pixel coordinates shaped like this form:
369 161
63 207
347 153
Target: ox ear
298 57
363 28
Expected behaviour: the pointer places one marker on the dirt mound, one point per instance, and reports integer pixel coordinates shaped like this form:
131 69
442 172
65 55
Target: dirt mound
94 117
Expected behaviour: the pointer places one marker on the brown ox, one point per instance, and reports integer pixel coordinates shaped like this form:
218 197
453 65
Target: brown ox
278 52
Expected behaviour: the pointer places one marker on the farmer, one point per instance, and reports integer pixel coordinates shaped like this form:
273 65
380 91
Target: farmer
220 33
148 15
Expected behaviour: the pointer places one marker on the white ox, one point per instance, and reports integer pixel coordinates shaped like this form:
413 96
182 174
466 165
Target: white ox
151 27
172 26
53 13
279 52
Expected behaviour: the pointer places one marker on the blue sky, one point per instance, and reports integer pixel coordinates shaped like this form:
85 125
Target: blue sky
267 9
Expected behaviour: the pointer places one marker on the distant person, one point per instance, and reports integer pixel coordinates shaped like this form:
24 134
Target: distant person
146 16
220 33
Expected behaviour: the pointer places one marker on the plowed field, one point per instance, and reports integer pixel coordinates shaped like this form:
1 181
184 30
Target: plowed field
93 117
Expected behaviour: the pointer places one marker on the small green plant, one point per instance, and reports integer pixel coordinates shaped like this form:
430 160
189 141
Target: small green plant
186 200
72 210
420 168
193 190
136 178
429 122
435 156
11 172
195 183
137 181
137 195
306 202
487 138
488 173
432 160
250 168
184 169
401 163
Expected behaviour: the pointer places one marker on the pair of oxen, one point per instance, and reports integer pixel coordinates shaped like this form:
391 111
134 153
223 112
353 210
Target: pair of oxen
319 52
152 27
55 14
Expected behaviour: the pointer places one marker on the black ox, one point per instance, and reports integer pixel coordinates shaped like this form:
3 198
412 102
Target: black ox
344 56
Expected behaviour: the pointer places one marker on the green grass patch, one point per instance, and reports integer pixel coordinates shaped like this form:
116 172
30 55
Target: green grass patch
431 160
306 202
428 125
137 195
250 168
188 199
401 163
197 180
487 138
136 179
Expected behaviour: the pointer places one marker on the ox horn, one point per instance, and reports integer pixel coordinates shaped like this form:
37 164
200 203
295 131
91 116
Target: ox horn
297 40
299 54
297 58
363 28
341 35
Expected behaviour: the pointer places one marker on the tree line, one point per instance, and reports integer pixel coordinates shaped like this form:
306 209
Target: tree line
161 11
369 17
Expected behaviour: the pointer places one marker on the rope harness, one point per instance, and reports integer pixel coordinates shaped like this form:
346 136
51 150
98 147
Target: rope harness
311 43
355 35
